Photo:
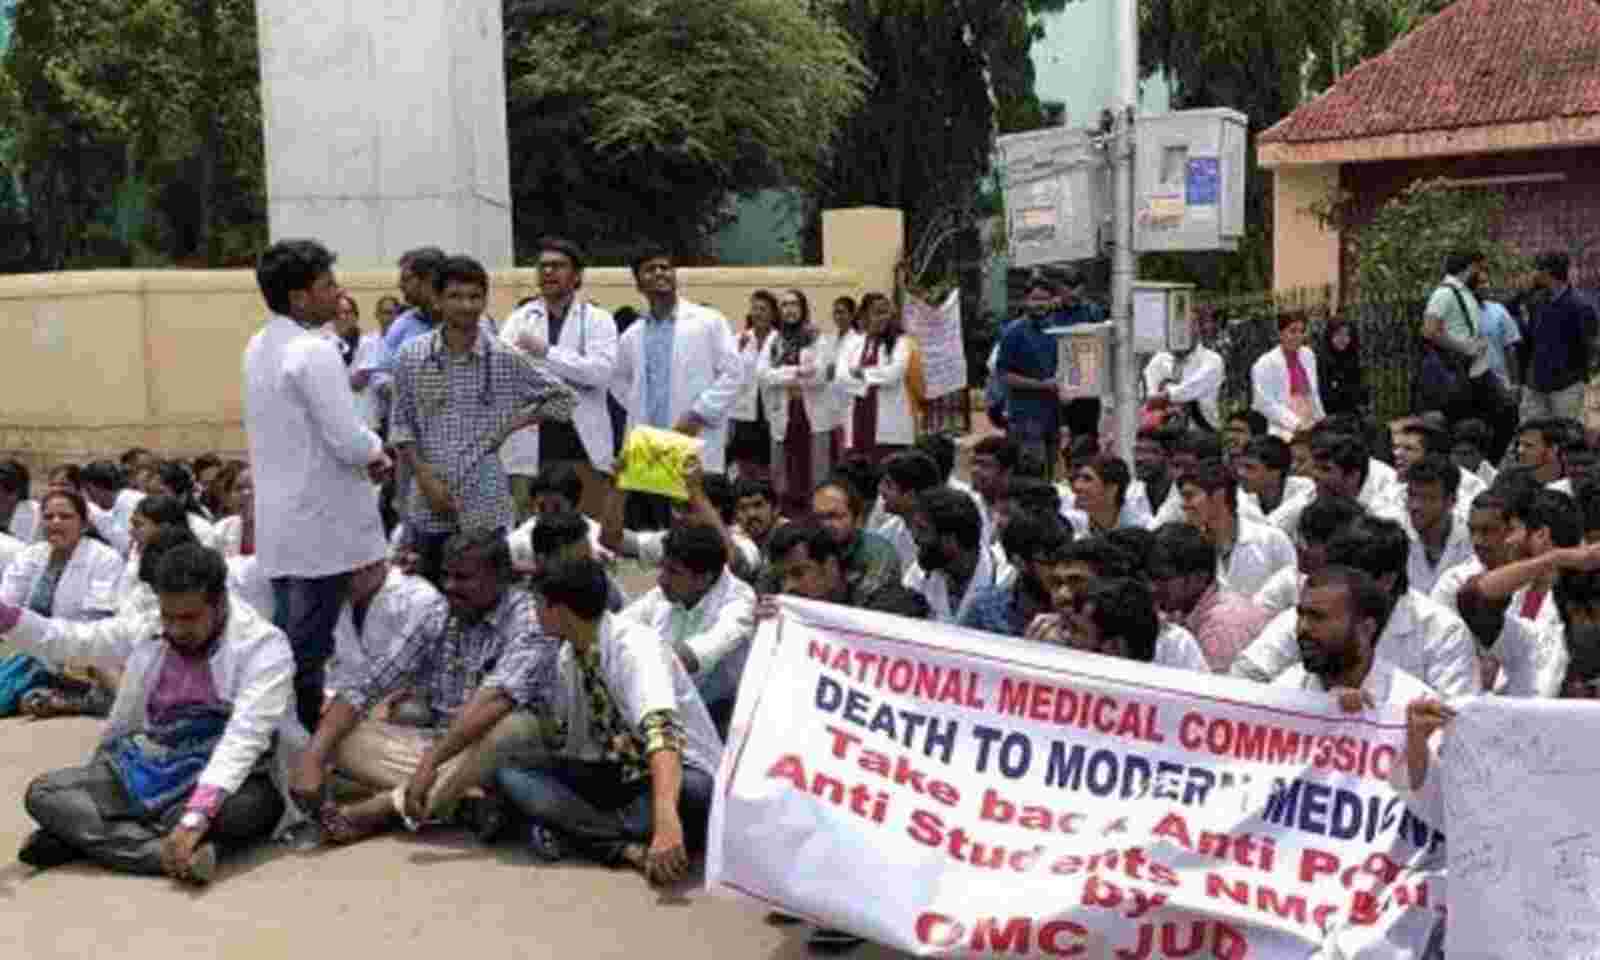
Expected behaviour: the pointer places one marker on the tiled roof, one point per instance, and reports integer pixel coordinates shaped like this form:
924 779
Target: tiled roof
1477 63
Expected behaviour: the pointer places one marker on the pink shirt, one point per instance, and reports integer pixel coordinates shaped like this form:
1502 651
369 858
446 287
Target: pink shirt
1224 624
186 682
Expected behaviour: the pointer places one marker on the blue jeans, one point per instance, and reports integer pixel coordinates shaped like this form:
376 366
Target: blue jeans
589 805
307 609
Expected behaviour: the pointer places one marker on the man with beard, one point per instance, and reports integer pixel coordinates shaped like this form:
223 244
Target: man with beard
1154 480
870 561
1341 613
1183 566
1033 542
952 566
704 613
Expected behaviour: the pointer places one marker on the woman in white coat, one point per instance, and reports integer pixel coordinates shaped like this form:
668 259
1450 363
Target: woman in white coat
70 575
1284 381
799 403
750 440
847 332
874 373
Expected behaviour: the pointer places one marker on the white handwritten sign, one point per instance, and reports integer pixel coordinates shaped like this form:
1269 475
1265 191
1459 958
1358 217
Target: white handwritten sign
944 354
1520 777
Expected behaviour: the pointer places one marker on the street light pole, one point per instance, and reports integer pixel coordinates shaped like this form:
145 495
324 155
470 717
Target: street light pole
1124 263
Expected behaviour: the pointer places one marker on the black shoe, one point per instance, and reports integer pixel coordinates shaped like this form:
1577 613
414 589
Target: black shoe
830 941
43 850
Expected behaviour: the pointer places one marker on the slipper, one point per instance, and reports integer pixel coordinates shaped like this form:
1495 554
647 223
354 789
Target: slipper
45 703
635 855
340 829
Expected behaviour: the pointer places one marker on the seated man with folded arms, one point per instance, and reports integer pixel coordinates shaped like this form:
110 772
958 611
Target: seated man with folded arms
483 668
633 782
704 612
194 755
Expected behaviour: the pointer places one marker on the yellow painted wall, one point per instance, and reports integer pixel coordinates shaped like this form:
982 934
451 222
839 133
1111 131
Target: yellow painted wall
94 362
1305 253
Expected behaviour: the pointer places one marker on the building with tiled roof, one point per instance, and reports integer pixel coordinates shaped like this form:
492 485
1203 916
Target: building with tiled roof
1492 94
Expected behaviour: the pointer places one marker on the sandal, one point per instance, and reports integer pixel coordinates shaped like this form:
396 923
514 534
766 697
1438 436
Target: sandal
341 829
48 702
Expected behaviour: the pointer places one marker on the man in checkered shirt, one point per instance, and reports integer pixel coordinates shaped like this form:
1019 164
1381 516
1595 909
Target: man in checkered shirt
458 394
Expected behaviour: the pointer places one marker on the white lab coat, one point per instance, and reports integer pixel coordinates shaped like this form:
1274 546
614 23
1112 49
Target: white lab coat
1269 382
1259 551
316 509
10 549
896 422
843 399
1298 492
90 584
395 613
1424 576
1176 647
1199 380
25 525
744 407
722 644
816 392
368 349
585 358
252 669
706 375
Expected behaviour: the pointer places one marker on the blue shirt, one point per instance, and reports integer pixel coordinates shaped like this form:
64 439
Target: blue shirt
1027 351
1560 335
995 610
656 341
1500 331
407 327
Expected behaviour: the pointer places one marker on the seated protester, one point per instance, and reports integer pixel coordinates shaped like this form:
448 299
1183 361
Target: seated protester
1135 510
111 503
633 781
1032 541
1248 552
1154 480
942 449
152 514
1418 636
808 562
1489 527
711 502
193 758
1183 566
905 476
705 614
952 565
1544 533
173 479
1100 491
70 574
564 538
1415 441
558 488
1268 491
1341 467
1381 477
1191 450
1470 442
385 608
235 534
1079 565
1137 543
1321 519
19 516
870 561
1541 444
480 665
1440 540
861 474
994 462
1240 429
1032 495
1115 617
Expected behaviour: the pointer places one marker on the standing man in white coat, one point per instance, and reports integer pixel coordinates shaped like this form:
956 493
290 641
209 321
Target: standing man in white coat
678 368
568 337
315 462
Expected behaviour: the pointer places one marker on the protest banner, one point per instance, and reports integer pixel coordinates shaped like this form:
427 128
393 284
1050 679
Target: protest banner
953 793
944 353
1519 777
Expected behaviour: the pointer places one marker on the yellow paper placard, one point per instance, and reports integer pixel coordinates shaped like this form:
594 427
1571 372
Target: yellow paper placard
654 461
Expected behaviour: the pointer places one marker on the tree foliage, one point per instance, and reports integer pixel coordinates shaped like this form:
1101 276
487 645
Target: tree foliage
1402 249
136 130
640 117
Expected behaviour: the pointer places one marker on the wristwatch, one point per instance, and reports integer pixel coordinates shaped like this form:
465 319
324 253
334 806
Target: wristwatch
193 820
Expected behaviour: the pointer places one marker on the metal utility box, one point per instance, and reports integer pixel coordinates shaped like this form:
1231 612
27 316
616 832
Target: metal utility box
1189 170
1057 187
1083 360
1162 316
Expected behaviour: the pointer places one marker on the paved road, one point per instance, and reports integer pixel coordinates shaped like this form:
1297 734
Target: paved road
437 897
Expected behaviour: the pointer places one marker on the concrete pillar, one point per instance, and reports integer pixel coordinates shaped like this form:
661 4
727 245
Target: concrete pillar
867 240
385 126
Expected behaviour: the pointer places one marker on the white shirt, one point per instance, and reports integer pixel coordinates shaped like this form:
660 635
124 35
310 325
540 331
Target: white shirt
399 608
585 358
1533 656
1135 510
1450 582
227 536
250 585
1177 647
368 350
1564 485
1298 492
895 530
116 524
10 548
641 679
650 547
316 510
1259 551
717 630
90 585
521 542
1198 379
1281 591
935 587
1424 576
1420 637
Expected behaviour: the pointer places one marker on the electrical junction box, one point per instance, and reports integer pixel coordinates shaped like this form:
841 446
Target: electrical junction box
1058 190
1162 316
1083 360
1189 170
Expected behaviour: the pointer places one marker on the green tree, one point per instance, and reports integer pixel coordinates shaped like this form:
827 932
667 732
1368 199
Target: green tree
1400 252
632 117
136 129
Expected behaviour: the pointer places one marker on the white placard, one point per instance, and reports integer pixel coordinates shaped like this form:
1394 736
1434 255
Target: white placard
1149 320
938 332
